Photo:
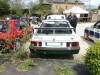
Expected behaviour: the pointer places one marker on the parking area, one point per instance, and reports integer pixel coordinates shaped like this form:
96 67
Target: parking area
84 44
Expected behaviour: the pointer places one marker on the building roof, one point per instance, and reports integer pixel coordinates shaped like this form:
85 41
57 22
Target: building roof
45 2
62 1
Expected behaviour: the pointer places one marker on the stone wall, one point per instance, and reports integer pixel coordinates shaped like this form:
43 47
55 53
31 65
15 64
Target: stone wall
55 6
99 11
94 17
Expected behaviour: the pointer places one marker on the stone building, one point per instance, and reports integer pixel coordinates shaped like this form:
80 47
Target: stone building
65 4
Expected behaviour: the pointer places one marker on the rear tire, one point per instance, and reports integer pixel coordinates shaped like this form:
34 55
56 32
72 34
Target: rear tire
86 36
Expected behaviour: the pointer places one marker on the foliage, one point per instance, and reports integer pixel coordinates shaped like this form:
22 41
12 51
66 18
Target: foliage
63 70
17 7
4 7
19 56
61 10
25 65
3 66
43 9
92 59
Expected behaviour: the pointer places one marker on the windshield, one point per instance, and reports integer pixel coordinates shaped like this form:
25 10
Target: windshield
3 26
55 24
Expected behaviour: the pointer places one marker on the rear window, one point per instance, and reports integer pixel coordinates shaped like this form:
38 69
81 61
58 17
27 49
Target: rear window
4 26
55 24
19 24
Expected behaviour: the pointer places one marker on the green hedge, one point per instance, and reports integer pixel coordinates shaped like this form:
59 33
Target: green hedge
92 59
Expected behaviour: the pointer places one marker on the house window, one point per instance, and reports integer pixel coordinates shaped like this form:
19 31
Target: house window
66 7
56 7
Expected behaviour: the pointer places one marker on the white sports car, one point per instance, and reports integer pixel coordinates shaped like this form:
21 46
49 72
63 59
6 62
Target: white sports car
55 37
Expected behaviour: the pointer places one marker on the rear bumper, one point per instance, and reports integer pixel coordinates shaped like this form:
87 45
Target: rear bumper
46 50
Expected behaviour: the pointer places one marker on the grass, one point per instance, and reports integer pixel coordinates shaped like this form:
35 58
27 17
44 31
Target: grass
3 66
63 70
19 57
25 65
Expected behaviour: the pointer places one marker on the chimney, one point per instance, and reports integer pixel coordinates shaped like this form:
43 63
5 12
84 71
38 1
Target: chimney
76 2
66 1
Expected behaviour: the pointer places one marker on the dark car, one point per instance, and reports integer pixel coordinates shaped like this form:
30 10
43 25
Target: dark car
34 20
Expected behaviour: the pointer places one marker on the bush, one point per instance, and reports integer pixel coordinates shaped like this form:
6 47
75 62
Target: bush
92 59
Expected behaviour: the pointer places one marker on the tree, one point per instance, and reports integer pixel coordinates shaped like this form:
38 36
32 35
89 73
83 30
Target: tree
60 10
4 7
99 7
17 7
34 6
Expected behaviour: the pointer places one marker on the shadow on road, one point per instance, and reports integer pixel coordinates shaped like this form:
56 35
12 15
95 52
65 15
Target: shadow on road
52 56
90 42
81 70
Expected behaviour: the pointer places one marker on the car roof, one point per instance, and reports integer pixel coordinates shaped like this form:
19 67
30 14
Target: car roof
56 20
56 17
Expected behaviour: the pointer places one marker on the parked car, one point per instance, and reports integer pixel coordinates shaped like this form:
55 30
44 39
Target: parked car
93 32
34 20
56 17
12 30
55 37
23 18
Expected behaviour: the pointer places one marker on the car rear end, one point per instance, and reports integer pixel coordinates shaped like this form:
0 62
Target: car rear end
55 40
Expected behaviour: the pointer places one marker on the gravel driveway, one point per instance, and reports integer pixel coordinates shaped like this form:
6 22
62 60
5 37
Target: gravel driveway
84 44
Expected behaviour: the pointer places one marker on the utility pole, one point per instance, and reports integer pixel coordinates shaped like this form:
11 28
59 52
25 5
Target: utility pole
89 5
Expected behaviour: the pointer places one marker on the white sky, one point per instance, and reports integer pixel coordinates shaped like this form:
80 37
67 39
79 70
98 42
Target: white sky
93 3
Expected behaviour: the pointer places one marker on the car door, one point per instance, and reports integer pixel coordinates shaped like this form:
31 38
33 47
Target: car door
97 31
91 33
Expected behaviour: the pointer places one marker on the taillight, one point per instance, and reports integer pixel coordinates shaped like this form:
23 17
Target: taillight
40 43
33 43
75 44
68 44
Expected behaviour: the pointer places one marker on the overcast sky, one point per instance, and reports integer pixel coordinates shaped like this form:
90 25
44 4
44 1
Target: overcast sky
93 3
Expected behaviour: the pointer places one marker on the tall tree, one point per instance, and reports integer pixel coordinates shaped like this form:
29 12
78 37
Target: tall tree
17 7
61 10
4 7
33 6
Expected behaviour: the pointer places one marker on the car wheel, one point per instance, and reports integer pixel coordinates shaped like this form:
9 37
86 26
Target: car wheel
86 36
17 45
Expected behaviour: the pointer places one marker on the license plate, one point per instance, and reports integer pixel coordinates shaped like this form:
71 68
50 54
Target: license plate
53 44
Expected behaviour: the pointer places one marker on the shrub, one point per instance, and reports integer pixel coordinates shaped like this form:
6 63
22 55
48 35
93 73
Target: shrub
92 59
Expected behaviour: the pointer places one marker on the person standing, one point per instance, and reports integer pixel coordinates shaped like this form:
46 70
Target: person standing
26 19
5 18
69 17
74 21
8 18
13 17
39 20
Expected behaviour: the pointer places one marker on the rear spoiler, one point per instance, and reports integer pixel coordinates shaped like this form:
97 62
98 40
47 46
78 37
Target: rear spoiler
53 28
